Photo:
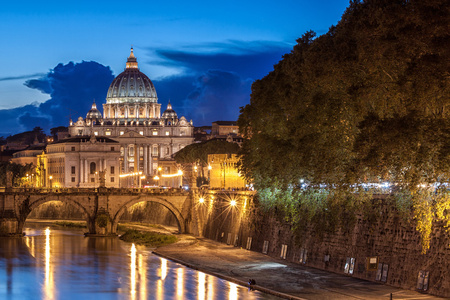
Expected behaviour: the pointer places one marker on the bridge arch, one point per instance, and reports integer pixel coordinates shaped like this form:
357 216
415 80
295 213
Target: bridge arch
49 198
24 211
175 212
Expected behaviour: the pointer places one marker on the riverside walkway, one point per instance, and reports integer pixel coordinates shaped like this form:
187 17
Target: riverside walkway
277 276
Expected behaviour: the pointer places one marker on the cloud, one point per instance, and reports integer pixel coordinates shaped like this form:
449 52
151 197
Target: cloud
71 87
249 59
216 78
215 81
21 77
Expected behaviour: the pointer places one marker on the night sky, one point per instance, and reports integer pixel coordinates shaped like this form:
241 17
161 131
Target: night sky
58 56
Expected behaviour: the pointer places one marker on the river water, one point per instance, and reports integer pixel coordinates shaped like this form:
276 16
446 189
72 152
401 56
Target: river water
55 263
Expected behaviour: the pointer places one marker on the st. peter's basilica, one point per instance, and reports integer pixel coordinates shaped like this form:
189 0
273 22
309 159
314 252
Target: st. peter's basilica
132 140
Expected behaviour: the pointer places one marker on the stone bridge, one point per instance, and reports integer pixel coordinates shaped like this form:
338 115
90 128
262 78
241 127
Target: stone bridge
102 207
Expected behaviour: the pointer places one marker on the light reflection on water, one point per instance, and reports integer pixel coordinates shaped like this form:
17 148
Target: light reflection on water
63 264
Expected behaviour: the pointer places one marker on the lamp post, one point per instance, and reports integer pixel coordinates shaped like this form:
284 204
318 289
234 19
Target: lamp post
156 178
51 178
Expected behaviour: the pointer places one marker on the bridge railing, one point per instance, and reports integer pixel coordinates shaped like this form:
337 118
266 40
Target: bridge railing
102 190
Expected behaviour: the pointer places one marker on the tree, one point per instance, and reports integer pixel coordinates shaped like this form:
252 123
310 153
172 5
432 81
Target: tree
18 172
368 100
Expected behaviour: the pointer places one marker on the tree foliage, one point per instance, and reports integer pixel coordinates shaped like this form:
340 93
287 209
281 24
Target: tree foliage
367 101
18 172
198 152
27 137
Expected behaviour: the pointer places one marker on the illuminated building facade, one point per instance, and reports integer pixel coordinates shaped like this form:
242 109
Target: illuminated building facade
132 116
82 161
223 172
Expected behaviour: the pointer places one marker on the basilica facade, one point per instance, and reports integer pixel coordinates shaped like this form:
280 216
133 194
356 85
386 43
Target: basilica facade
145 138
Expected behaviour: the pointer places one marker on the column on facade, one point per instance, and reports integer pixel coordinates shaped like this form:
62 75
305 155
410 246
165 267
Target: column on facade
136 111
146 110
125 158
125 107
86 170
150 159
80 171
136 157
145 159
116 111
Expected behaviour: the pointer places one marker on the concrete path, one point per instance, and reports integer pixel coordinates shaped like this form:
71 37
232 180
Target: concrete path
276 276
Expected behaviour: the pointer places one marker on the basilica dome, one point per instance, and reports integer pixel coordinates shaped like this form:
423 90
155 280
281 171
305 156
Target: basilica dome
131 85
94 113
169 113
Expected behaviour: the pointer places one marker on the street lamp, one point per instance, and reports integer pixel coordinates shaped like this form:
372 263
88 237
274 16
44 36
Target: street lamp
156 178
51 178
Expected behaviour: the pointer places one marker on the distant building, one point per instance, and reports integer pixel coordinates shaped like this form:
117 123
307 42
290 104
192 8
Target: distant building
220 128
223 172
202 133
28 155
82 161
146 139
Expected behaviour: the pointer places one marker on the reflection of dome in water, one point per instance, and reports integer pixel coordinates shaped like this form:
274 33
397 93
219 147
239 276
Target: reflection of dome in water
94 113
131 85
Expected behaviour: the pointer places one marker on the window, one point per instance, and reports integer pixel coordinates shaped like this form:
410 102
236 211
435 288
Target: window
108 133
112 170
141 151
121 133
155 150
92 179
167 150
95 132
73 149
155 132
92 168
112 148
141 132
167 133
73 179
112 179
73 170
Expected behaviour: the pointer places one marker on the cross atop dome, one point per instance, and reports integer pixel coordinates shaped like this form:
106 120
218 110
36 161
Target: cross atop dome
131 61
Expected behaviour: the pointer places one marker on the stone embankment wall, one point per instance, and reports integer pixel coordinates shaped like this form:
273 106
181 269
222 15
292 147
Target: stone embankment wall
386 248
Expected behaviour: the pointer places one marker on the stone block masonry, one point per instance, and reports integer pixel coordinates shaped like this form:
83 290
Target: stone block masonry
386 248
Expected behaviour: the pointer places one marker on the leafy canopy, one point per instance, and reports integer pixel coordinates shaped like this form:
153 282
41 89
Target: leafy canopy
365 102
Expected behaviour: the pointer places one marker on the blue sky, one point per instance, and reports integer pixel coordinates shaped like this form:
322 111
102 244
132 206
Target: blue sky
203 56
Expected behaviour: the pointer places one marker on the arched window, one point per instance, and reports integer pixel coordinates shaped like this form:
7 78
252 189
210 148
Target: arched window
92 168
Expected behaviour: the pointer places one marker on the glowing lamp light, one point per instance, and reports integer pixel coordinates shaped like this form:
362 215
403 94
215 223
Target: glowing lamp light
156 177
201 200
209 167
233 202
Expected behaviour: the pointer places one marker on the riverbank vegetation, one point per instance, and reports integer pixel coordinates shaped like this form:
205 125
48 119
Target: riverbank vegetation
361 109
147 238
